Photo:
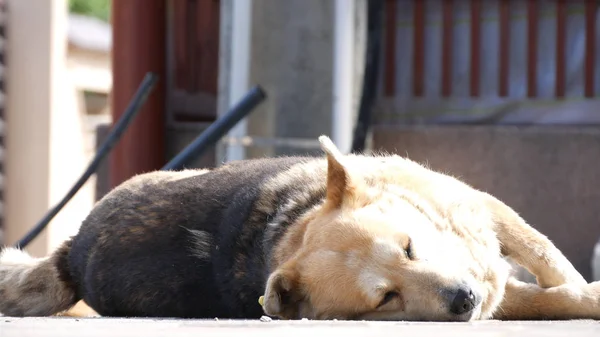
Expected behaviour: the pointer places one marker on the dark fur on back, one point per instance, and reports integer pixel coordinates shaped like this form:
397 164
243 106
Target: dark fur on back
198 246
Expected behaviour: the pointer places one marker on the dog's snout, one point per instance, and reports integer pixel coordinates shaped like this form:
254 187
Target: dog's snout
463 302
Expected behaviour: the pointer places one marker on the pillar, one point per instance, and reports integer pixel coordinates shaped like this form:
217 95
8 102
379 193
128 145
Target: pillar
139 46
45 151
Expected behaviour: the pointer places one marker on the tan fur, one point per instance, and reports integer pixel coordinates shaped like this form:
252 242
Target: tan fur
341 258
158 177
81 309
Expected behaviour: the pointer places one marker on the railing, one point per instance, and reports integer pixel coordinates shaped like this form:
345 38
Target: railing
411 25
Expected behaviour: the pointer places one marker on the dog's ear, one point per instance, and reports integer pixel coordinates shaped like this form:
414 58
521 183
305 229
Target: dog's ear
283 294
339 183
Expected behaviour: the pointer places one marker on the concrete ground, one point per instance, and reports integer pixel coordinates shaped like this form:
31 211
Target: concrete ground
105 327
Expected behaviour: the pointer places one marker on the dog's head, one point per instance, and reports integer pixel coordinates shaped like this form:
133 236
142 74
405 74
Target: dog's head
373 251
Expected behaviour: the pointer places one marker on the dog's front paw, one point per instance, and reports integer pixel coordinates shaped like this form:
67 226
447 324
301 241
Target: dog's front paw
591 300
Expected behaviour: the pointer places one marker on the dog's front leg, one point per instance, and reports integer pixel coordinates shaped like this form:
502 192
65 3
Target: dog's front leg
531 249
526 301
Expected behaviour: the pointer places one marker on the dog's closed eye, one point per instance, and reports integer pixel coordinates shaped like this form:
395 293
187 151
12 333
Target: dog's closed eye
408 249
387 298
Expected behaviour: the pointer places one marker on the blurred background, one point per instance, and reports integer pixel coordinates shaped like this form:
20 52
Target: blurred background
500 93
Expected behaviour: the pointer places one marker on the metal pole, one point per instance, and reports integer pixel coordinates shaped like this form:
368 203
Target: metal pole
139 44
343 71
217 129
239 71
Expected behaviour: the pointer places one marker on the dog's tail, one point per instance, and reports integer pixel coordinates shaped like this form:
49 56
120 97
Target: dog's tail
36 286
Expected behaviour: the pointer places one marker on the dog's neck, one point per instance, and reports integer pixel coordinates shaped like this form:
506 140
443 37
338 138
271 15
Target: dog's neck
291 242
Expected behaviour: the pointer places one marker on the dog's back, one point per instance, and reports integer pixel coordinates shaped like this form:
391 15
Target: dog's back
148 248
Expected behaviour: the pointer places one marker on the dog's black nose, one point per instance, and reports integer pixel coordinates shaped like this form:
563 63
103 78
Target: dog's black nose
464 301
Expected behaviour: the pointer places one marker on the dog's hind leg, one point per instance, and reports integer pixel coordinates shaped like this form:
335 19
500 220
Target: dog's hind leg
526 301
531 249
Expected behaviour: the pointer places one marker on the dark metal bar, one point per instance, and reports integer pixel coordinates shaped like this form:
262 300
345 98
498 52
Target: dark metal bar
590 47
532 43
126 118
419 49
390 48
475 47
561 37
504 45
217 129
375 10
447 6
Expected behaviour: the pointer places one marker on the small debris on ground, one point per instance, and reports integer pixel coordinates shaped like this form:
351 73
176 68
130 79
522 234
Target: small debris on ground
265 319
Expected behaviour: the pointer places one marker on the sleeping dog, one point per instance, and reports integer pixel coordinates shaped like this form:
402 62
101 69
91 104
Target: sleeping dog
373 237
